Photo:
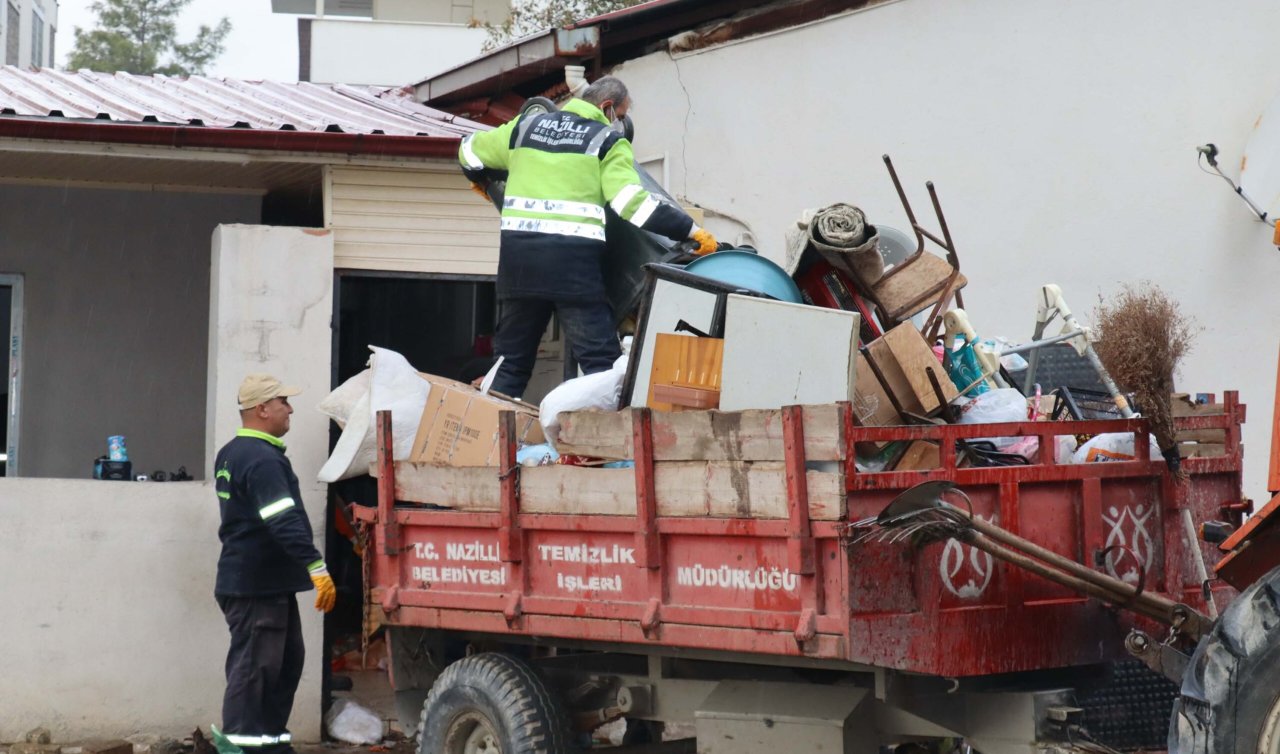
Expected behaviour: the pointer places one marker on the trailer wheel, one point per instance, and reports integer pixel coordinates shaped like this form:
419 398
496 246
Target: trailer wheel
1230 699
491 703
537 106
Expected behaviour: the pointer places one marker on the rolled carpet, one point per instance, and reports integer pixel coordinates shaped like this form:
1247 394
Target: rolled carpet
842 235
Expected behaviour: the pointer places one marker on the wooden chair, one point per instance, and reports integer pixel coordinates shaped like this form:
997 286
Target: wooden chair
922 280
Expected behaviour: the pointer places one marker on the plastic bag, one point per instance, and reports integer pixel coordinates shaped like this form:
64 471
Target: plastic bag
1112 446
601 390
349 722
1014 361
966 371
393 385
339 404
998 406
537 455
1065 446
1005 404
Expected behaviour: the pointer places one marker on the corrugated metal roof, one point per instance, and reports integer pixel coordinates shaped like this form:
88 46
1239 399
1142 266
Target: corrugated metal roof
221 103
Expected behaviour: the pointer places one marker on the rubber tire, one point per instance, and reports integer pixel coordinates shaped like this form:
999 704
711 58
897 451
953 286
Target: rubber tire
538 105
1232 685
518 705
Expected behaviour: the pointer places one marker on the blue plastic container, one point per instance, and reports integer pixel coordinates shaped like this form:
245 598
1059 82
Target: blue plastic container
747 270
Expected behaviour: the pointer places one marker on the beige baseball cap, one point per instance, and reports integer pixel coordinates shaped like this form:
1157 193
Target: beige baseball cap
260 388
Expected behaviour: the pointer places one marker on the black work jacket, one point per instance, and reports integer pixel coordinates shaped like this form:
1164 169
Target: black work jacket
266 536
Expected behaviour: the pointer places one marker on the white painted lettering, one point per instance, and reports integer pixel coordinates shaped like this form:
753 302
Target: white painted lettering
609 555
472 552
429 575
571 583
761 579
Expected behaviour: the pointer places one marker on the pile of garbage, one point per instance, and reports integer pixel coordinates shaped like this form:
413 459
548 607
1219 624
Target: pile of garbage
859 313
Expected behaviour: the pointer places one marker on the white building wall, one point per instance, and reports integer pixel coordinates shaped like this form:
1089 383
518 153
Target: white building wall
271 302
442 11
1060 138
110 627
389 54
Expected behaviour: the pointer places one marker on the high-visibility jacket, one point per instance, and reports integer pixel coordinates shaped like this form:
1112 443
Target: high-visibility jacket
562 168
266 535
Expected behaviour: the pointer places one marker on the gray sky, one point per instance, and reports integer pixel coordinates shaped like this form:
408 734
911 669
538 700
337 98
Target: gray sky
262 44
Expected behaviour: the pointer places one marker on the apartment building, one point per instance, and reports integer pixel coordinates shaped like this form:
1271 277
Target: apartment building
28 29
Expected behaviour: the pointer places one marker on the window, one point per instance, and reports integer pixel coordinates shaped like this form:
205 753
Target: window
11 38
10 373
37 39
656 167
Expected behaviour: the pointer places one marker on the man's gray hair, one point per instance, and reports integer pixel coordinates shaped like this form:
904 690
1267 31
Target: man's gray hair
606 88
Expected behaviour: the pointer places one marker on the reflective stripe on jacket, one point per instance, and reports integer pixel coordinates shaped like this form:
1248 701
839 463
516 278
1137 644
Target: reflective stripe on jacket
564 167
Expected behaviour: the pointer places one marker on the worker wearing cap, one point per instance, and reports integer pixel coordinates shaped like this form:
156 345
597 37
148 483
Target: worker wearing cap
267 557
562 168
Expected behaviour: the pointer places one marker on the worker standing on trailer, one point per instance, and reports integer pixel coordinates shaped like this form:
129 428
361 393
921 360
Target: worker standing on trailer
562 168
267 557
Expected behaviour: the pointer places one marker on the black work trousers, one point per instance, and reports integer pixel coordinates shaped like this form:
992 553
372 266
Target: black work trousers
264 665
588 331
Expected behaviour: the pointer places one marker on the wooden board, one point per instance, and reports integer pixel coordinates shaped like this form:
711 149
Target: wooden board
1201 449
752 435
1218 436
1182 405
781 354
684 488
915 287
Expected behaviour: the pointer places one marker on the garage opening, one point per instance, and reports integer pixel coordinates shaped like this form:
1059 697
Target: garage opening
443 324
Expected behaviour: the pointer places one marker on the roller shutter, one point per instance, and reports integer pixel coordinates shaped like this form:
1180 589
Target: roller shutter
409 221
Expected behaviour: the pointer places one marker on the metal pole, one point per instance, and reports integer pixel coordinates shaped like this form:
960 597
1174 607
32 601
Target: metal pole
989 545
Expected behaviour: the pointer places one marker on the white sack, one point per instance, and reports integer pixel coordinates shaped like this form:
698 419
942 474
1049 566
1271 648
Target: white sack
601 390
1112 446
393 385
349 722
339 404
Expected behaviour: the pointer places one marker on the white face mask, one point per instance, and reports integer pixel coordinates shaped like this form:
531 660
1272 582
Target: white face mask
616 123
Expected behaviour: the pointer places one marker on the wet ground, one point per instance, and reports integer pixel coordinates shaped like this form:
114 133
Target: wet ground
371 690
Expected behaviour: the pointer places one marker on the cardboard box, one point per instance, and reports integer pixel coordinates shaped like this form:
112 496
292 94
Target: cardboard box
871 404
459 426
921 455
903 357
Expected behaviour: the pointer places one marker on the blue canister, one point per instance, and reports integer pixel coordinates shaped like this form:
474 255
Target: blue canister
116 450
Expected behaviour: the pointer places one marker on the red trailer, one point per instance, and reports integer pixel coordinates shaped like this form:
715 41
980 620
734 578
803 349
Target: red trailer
722 583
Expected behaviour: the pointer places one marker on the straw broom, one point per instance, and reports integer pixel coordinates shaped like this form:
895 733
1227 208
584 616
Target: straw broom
1141 338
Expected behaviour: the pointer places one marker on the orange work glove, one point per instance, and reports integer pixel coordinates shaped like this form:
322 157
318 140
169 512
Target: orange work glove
706 242
326 592
481 191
